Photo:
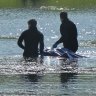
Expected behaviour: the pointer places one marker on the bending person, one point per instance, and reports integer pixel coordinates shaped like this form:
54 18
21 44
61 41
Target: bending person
68 32
32 38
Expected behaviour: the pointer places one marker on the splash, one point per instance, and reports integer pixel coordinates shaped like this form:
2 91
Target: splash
15 65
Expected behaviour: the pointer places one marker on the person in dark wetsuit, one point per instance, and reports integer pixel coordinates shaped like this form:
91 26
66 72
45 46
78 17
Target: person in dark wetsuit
68 32
32 38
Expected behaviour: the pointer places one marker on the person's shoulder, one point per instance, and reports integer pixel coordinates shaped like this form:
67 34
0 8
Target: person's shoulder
72 23
40 33
24 32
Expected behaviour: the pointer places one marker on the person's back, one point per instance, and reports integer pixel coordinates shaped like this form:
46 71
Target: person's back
68 32
32 38
69 35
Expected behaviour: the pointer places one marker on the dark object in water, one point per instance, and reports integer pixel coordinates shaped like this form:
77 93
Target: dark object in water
61 52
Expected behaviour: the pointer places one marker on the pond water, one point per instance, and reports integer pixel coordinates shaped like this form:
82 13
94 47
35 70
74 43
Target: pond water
52 77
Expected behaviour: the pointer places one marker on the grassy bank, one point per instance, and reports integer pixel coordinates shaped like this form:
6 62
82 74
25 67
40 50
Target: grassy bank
38 3
11 3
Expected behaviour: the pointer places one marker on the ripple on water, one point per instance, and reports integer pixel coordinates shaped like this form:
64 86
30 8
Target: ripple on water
16 65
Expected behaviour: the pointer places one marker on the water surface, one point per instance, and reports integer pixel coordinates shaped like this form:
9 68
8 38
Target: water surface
53 76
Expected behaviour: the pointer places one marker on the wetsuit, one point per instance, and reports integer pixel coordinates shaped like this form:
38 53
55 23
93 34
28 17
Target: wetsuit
32 38
68 32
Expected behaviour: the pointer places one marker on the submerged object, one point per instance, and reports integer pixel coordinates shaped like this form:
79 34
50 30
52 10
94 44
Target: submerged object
61 52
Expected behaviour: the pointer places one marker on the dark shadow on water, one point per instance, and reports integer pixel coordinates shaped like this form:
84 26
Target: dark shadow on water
65 77
70 74
33 78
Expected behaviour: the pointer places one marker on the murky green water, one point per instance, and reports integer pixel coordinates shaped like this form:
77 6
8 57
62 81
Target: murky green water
53 77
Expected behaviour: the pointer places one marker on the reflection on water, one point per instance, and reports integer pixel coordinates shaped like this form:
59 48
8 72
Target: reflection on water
49 84
32 78
65 77
21 79
14 65
52 77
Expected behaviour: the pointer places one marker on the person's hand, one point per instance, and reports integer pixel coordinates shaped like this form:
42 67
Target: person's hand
54 46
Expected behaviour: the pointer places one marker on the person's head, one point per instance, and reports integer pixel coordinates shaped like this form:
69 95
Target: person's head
32 23
63 16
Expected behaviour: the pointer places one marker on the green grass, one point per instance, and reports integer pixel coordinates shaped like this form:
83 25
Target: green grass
10 3
37 3
71 3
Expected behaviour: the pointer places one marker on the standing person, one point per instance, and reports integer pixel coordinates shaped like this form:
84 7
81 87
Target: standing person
32 39
68 32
